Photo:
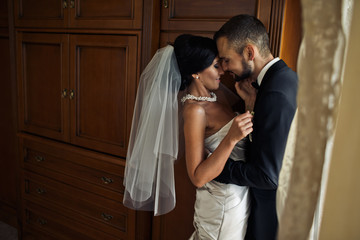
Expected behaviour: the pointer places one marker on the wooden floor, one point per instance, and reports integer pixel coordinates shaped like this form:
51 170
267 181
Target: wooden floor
7 232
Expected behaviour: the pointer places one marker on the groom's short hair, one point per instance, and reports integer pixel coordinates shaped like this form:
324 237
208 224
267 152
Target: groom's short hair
243 29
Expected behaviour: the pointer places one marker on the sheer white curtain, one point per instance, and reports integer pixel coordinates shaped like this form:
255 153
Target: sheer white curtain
303 178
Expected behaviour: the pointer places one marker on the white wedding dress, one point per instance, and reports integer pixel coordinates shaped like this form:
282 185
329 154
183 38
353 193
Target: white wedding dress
222 210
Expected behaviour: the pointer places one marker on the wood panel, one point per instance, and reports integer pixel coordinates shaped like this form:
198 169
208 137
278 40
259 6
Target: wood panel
106 14
3 13
209 15
115 14
276 23
42 77
40 13
291 33
103 77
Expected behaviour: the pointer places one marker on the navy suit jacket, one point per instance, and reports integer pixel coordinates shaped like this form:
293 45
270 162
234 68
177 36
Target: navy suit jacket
274 109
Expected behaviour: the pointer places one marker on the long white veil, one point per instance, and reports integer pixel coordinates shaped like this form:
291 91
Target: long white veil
154 138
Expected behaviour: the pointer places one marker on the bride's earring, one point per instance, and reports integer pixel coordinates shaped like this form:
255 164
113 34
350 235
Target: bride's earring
195 76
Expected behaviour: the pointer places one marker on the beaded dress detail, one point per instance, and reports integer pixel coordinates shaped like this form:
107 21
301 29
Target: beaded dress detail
213 98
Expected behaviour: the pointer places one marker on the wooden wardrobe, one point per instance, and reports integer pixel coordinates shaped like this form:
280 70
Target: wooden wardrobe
70 69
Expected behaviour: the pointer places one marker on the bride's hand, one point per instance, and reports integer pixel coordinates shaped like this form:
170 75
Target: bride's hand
247 92
241 127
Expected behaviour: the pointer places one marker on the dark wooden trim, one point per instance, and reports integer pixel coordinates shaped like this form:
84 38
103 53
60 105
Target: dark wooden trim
12 43
157 227
275 28
81 31
143 225
264 11
150 31
147 47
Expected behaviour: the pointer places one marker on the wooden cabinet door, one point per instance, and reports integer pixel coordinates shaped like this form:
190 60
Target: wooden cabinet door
209 15
42 71
116 14
3 13
106 14
41 13
103 80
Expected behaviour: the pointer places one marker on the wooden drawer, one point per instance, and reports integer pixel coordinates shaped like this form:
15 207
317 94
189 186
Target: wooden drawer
104 212
43 223
96 170
34 234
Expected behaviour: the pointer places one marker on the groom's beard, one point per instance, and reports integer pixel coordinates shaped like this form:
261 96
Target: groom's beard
247 72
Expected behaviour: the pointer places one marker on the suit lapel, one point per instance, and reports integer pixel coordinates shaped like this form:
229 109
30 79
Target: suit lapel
273 69
268 75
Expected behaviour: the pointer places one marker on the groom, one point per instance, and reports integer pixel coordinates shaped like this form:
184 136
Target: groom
243 45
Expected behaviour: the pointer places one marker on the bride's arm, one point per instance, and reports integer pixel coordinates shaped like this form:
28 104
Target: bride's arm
201 171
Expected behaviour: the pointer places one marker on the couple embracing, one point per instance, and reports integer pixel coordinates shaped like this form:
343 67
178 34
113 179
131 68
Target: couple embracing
233 159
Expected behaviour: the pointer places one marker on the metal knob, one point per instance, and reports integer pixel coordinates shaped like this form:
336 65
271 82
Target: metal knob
39 158
40 191
106 217
106 180
42 221
166 4
72 94
64 93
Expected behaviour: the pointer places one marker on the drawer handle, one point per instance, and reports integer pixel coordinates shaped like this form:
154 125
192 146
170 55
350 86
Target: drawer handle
40 191
166 4
39 158
106 180
72 94
106 217
64 93
42 221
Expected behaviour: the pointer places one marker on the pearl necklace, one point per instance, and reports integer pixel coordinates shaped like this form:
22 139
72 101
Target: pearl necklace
192 97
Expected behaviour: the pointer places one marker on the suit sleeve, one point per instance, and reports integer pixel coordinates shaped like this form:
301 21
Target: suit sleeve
271 127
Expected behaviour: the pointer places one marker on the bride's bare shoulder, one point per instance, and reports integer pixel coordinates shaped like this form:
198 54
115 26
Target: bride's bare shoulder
193 111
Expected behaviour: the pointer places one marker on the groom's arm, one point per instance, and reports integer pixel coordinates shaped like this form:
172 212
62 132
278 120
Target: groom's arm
245 174
271 127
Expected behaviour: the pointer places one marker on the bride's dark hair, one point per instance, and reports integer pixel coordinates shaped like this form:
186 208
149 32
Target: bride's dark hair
193 55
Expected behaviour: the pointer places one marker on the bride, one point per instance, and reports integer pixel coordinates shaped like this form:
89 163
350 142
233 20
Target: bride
192 65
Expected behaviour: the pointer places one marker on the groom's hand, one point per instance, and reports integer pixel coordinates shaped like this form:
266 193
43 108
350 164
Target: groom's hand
247 92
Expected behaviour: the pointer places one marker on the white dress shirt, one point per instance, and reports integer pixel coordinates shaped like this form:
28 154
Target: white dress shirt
264 70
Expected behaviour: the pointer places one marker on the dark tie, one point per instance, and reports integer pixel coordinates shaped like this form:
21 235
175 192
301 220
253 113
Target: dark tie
255 85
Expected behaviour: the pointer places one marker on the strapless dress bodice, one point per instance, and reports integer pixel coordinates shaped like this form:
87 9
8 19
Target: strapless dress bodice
213 141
